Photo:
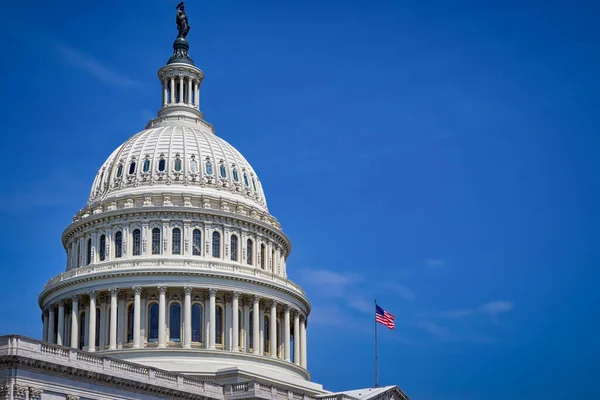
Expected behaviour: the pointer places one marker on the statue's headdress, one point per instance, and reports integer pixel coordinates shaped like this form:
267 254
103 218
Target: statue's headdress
179 6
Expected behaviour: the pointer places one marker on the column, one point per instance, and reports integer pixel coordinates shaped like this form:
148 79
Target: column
137 291
113 319
213 317
162 321
227 322
197 95
273 329
121 318
45 328
255 322
51 322
187 318
235 323
246 338
102 331
296 337
261 331
206 325
286 333
86 328
303 343
75 322
92 324
172 90
60 329
180 90
165 94
189 92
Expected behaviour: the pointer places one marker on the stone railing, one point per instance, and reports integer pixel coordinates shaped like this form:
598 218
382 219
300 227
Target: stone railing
257 390
180 264
14 345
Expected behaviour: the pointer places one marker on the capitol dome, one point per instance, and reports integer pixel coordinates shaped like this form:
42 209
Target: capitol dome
178 159
175 262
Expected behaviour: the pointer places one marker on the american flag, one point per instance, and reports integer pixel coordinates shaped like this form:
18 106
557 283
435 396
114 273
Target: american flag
384 317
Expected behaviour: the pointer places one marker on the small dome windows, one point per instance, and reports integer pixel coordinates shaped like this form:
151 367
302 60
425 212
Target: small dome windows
162 163
208 167
246 183
236 176
146 166
120 170
132 167
177 163
254 184
194 165
223 171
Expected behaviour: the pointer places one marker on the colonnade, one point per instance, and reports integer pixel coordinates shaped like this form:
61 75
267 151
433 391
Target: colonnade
127 318
181 90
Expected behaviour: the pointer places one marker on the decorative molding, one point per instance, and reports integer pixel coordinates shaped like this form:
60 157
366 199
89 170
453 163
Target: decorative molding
187 290
72 397
19 392
35 393
137 290
162 289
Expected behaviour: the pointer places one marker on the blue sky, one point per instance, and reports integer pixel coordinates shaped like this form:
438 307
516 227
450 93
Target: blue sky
440 156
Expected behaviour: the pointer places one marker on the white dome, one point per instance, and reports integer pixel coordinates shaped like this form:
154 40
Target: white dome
178 159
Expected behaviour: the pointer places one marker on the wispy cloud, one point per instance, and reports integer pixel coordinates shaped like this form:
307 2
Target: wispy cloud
400 290
353 291
440 332
434 263
95 68
491 309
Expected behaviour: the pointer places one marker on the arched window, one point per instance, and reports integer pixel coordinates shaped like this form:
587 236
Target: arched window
98 318
177 164
234 247
102 249
118 244
219 325
155 241
241 329
196 323
153 323
175 322
120 170
251 331
130 323
137 242
236 176
249 252
208 168
223 171
82 330
146 166
262 256
132 168
194 165
196 235
246 180
88 258
176 237
216 244
162 165
266 338
78 262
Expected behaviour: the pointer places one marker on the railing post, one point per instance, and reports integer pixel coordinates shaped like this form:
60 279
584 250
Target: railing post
72 354
151 375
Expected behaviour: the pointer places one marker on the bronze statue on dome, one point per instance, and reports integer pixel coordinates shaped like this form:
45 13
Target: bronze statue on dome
182 21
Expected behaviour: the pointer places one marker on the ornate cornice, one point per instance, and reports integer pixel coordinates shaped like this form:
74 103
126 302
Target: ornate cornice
159 213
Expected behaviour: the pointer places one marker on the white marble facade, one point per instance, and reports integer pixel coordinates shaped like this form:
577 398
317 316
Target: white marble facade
175 283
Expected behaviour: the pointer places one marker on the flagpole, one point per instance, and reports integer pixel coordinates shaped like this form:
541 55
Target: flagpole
376 358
